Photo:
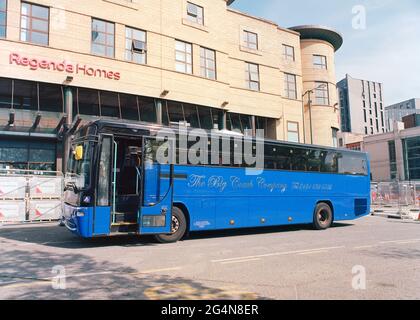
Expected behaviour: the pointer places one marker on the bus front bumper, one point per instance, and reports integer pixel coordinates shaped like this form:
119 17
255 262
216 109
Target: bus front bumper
77 220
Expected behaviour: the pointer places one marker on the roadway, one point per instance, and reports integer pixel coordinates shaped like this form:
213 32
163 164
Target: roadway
271 263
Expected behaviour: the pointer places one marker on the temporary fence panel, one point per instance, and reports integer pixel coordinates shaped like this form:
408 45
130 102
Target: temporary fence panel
41 210
12 211
399 198
12 187
45 187
27 195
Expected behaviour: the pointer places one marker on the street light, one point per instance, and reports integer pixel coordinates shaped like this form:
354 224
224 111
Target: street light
323 85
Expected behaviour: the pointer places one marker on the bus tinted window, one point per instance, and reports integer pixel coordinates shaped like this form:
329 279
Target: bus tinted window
314 160
330 162
352 163
299 159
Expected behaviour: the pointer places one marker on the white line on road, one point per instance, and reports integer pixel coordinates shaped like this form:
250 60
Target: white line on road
405 241
155 271
365 247
277 254
312 252
241 261
47 280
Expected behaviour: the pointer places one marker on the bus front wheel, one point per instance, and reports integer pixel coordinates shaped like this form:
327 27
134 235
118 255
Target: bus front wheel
178 227
323 216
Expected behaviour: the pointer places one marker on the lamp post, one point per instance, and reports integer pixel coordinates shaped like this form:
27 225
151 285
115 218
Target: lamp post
309 92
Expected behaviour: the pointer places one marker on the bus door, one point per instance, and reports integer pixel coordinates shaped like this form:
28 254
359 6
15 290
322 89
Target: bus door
157 192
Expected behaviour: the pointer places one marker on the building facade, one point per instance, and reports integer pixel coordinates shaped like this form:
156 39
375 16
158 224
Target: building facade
351 141
195 62
395 156
398 111
361 106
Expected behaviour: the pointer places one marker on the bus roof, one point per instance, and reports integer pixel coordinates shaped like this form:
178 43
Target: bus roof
223 133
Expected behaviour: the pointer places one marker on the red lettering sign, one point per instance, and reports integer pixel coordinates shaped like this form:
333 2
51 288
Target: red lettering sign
63 66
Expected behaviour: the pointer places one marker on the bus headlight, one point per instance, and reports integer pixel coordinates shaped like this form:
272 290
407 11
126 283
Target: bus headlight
80 214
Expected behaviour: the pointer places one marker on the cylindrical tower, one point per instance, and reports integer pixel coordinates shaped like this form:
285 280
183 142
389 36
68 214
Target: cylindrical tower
322 115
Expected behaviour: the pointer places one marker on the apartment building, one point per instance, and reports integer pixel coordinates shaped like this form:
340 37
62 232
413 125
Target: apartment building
196 62
362 106
397 111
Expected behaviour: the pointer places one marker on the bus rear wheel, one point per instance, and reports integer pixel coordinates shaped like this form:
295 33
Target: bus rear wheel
178 228
323 216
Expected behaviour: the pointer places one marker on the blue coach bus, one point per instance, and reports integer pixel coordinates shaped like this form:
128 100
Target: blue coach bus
115 185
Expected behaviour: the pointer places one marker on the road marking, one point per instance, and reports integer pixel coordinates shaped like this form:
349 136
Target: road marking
155 271
241 261
26 284
84 275
312 252
47 280
401 241
365 247
277 254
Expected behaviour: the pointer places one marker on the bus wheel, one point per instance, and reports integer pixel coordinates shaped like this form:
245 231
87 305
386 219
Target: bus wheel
178 227
323 216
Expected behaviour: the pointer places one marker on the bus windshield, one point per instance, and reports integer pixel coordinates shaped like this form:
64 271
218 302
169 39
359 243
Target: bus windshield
79 171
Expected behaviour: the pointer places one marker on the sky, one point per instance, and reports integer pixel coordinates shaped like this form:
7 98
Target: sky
381 37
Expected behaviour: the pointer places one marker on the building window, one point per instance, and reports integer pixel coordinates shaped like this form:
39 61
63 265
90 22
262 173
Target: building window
103 38
34 24
195 13
28 95
208 63
252 74
239 123
290 90
320 62
135 45
28 155
335 137
322 94
250 40
392 159
3 19
289 52
183 57
293 131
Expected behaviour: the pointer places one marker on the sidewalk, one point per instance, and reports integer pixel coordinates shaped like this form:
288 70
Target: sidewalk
398 213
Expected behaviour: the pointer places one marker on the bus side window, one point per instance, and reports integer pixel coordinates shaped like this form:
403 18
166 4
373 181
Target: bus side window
330 162
314 161
299 159
284 157
270 157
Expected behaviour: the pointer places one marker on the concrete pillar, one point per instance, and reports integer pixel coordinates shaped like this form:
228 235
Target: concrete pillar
68 109
223 120
159 110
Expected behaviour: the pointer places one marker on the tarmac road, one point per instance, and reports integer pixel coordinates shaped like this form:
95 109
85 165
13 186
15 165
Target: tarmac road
372 258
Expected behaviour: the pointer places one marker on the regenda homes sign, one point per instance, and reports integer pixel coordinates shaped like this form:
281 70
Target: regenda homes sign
63 66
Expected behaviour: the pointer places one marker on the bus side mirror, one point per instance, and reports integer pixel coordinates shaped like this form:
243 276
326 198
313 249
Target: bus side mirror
78 153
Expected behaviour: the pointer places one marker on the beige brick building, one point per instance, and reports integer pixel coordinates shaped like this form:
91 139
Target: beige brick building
163 61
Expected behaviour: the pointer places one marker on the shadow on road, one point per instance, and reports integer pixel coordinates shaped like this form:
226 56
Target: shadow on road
54 236
28 275
255 231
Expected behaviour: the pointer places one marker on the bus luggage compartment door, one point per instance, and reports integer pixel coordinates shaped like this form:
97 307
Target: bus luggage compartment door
156 211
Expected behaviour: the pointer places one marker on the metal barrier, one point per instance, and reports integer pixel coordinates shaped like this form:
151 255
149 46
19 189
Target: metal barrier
397 198
30 196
